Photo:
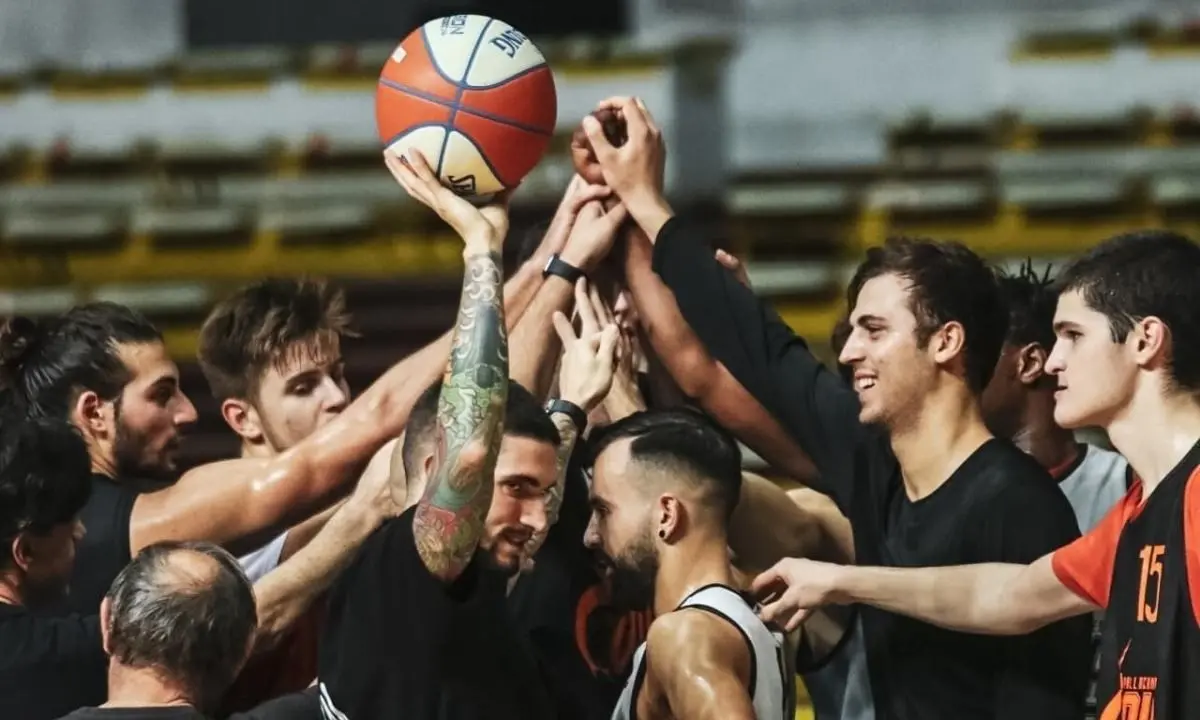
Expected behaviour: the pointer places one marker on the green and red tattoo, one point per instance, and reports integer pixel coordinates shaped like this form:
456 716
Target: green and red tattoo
450 518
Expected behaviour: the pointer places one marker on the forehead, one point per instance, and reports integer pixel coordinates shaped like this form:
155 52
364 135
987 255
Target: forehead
1072 308
526 457
884 296
148 362
314 353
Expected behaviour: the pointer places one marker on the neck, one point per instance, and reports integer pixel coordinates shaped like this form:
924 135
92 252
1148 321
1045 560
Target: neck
128 687
1154 433
946 430
689 565
1041 437
102 465
260 450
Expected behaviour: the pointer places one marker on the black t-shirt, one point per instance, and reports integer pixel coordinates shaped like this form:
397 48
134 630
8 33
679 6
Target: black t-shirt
584 646
998 506
399 643
47 665
104 551
296 706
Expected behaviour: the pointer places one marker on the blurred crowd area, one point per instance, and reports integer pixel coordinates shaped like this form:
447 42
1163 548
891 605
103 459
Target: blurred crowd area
160 152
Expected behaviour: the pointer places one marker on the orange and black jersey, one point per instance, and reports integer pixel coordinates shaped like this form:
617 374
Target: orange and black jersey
1142 563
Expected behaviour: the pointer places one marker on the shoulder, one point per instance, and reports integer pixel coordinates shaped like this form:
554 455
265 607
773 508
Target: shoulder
693 635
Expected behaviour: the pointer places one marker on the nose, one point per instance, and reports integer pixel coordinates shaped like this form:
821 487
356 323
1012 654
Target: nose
852 351
591 536
1056 362
338 395
185 413
533 515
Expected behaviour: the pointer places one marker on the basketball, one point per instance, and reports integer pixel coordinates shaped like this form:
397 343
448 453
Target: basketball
475 96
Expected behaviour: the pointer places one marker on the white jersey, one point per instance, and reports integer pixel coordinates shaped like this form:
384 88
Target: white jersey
772 680
259 563
1095 485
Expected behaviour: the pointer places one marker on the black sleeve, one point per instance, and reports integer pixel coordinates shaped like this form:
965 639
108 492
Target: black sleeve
1043 675
303 705
774 365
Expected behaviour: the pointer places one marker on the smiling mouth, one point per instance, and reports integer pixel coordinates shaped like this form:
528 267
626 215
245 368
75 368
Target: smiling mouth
861 384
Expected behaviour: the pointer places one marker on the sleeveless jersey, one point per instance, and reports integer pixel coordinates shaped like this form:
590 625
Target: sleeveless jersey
772 678
1142 564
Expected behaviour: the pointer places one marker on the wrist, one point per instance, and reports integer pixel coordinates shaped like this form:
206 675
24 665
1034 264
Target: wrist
482 244
564 405
649 209
577 258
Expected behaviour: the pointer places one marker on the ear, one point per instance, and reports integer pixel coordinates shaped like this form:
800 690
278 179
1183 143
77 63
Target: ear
93 415
22 552
669 520
1031 363
243 418
1150 341
948 343
106 625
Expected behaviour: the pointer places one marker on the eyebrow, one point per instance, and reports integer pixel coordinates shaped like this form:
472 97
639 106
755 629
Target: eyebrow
864 320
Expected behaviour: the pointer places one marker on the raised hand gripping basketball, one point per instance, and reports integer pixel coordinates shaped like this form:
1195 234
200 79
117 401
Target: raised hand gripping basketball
487 224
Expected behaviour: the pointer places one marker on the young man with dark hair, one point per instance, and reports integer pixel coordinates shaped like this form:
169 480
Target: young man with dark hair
46 663
1018 403
904 451
1126 359
664 487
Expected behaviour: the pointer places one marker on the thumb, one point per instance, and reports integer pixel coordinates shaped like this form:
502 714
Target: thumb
765 580
595 134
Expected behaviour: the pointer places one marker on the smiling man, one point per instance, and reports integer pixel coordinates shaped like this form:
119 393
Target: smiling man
1127 359
904 452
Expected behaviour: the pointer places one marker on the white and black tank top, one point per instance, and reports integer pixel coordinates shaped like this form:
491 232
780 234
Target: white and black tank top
772 679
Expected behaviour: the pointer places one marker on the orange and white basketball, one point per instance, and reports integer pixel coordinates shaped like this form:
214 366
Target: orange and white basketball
475 96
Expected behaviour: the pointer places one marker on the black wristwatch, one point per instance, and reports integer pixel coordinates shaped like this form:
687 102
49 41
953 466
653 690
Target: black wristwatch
565 270
571 410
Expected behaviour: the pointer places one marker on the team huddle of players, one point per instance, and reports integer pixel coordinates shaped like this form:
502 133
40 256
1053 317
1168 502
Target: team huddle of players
543 514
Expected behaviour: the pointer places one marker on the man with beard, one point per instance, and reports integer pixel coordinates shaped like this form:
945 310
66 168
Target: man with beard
665 484
418 623
44 468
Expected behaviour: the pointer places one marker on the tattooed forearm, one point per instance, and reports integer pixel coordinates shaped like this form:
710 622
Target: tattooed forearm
449 518
568 433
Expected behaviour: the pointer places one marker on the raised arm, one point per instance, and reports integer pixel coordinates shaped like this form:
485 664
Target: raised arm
288 591
700 664
535 345
585 377
450 515
699 374
747 337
